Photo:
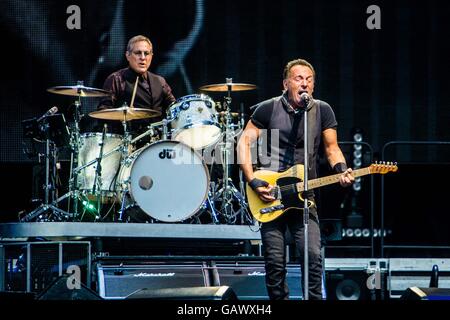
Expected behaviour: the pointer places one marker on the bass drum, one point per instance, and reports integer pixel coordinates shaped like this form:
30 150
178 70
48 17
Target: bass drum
168 180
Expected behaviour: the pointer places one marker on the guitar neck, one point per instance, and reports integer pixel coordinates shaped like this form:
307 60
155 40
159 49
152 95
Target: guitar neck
319 182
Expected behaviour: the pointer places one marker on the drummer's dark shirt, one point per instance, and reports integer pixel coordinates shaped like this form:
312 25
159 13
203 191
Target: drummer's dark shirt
152 92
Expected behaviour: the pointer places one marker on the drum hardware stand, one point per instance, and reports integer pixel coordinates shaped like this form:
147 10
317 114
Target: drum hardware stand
50 151
75 146
73 178
228 190
125 145
98 174
209 203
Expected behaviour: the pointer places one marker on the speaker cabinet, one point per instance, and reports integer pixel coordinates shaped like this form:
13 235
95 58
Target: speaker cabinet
194 293
119 281
248 279
416 293
356 279
33 266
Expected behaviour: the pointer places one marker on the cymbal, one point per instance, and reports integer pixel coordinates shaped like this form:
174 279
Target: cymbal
124 113
220 87
79 90
233 114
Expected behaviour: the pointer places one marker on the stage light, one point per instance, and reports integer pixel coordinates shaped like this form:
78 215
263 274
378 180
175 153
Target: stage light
366 233
88 206
357 163
357 137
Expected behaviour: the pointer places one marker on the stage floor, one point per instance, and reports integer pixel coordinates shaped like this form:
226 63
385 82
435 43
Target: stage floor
48 230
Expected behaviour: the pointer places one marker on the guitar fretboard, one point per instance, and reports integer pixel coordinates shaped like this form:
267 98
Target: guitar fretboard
319 182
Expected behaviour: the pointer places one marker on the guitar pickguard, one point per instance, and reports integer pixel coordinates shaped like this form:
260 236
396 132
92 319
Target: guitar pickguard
290 197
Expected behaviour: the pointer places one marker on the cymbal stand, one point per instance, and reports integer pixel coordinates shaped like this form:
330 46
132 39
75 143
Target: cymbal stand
228 191
75 146
125 146
97 185
50 152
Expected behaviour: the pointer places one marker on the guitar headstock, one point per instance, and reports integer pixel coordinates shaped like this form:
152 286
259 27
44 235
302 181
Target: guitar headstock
383 167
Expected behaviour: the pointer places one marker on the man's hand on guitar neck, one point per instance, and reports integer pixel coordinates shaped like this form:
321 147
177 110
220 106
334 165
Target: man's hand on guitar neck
346 179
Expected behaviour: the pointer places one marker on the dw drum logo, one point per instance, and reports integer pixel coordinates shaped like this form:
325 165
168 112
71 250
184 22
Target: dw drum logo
167 153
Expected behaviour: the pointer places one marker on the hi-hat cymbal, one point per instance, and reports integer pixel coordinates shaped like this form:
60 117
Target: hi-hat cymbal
124 113
220 87
79 90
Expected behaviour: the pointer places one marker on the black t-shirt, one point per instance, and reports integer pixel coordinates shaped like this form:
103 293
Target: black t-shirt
281 144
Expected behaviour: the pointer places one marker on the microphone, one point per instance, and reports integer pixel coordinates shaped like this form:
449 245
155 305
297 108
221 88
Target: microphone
305 98
50 111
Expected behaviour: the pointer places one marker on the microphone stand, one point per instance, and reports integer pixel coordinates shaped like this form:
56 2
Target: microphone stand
305 199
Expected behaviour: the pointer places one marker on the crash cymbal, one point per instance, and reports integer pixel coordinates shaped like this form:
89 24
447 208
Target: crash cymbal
124 113
79 90
220 87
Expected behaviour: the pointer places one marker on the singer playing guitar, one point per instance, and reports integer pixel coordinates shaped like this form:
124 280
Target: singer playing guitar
277 122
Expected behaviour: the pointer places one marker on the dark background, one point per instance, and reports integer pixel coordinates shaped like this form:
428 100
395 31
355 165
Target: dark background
392 83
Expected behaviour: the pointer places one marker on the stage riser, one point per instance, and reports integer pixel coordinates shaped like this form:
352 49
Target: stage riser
32 266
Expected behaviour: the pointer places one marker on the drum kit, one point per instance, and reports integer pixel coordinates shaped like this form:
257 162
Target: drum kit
167 179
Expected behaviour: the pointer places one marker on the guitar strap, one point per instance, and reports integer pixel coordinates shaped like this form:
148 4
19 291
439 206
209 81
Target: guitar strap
312 133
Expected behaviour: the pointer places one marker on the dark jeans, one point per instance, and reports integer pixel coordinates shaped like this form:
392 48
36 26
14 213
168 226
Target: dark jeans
274 246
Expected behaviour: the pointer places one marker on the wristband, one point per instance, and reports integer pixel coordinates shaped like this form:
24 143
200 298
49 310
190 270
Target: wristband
256 183
340 167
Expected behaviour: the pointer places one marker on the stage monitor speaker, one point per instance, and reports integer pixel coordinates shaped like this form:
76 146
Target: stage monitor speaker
248 279
346 285
119 281
194 293
355 279
64 288
416 293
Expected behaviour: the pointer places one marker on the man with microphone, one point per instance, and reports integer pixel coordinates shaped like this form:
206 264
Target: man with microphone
279 121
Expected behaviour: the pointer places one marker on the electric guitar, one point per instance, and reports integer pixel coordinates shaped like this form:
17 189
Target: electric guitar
288 186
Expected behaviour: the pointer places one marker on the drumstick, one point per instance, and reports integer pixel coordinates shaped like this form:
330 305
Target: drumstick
134 92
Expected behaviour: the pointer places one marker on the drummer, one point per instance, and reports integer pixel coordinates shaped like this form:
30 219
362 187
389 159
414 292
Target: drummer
152 90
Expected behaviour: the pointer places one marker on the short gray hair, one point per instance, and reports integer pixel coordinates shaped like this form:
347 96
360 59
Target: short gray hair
135 39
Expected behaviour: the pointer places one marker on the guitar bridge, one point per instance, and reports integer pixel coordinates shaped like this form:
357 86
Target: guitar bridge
271 209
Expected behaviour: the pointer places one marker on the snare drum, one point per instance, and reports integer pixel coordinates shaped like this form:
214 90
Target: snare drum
167 180
194 121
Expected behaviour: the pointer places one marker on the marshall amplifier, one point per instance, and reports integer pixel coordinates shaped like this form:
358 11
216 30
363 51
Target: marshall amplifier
121 281
247 279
